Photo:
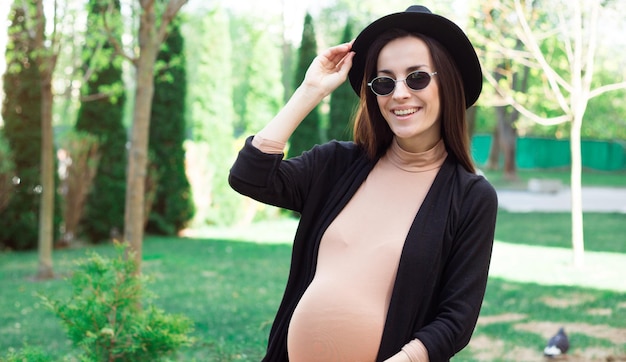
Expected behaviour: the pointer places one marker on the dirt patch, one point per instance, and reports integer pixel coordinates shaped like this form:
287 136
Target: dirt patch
484 348
571 300
603 312
501 318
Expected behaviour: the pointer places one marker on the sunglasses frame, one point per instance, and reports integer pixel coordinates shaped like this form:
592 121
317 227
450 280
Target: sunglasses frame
430 76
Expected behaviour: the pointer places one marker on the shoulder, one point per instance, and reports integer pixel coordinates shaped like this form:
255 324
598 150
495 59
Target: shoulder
332 152
474 186
479 198
337 148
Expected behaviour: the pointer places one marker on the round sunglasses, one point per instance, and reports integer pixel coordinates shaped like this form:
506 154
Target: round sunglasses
384 85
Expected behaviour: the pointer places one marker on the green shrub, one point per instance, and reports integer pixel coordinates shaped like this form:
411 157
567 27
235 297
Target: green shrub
26 354
105 318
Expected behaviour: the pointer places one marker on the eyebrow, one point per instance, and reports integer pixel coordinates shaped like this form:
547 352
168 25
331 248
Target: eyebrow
408 70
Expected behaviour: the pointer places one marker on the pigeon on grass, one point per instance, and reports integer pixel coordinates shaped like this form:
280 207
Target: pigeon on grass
557 345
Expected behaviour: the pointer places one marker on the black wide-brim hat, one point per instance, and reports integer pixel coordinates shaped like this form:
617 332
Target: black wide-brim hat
418 19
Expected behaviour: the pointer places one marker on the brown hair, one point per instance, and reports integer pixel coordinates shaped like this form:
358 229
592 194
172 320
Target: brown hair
372 132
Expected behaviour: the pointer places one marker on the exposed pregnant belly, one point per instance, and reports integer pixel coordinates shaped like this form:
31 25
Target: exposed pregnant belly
333 323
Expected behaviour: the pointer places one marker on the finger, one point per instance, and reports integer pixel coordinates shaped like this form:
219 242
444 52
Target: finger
337 52
346 63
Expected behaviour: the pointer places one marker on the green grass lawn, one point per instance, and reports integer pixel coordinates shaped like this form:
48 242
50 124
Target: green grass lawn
231 290
602 231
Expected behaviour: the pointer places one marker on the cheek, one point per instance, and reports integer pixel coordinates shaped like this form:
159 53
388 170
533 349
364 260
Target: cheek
381 103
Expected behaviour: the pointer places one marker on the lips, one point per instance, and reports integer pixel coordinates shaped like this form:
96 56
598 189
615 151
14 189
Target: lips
404 112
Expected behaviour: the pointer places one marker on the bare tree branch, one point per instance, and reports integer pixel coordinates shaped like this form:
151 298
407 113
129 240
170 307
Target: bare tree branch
119 50
526 35
173 6
508 99
591 50
95 97
607 88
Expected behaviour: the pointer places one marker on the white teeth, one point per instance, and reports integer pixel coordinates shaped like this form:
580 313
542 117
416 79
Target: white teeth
404 112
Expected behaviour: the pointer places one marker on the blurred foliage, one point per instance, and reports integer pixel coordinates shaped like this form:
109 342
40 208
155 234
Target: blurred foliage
308 133
241 63
78 161
21 112
214 63
172 207
106 318
343 102
7 172
101 114
494 32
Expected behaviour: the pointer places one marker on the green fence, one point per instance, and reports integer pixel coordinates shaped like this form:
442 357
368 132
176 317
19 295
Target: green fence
535 153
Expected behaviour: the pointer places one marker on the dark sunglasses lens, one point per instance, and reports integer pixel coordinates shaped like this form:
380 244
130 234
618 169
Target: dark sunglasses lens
418 80
383 85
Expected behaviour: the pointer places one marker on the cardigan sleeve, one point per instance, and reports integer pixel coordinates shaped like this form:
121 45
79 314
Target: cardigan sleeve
288 183
464 278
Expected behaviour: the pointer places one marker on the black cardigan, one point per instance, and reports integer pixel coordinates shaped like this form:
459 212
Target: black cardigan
442 274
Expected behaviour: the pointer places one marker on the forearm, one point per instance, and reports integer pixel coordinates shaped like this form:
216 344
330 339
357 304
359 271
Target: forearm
301 103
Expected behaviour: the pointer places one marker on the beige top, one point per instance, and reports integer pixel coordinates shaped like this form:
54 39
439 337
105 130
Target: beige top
342 313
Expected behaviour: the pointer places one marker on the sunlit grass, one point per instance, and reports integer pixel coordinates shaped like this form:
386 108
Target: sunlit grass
231 291
230 281
603 231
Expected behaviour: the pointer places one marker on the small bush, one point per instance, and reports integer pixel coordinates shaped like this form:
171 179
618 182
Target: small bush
104 316
26 354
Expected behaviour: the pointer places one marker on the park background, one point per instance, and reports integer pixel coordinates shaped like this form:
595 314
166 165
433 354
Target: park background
225 69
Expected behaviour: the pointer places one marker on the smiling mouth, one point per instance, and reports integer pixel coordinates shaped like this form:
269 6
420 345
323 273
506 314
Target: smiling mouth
405 112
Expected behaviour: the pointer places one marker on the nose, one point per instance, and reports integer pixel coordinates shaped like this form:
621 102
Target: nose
401 90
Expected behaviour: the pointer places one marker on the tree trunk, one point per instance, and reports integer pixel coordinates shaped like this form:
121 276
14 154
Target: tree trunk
46 210
138 154
578 243
508 146
493 162
46 61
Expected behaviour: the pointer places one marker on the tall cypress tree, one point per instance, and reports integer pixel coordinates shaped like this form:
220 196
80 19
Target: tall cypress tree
343 102
103 117
308 132
211 115
173 205
21 111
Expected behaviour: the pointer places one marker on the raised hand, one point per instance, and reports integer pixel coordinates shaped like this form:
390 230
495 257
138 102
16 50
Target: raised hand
329 69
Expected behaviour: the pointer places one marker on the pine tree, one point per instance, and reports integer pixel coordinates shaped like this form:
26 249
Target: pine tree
21 111
172 206
103 117
343 103
308 132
